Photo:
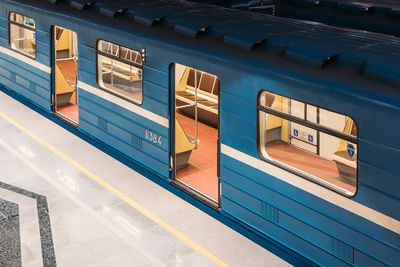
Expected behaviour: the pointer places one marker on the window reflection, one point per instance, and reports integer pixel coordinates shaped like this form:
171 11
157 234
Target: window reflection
22 34
120 71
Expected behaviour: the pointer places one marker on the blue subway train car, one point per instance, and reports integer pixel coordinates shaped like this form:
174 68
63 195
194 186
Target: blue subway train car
381 16
288 128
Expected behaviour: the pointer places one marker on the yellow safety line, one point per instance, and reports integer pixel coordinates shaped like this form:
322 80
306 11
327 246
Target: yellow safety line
119 194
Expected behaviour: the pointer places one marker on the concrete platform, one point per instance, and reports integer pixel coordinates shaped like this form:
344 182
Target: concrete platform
64 202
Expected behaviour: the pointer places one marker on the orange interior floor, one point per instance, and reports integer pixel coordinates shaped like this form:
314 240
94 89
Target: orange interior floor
201 174
71 112
307 162
69 72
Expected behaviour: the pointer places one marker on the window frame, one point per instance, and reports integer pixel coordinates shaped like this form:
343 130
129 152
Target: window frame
22 26
101 53
311 125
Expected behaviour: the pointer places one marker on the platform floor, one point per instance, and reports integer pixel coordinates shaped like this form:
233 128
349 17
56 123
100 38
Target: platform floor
64 202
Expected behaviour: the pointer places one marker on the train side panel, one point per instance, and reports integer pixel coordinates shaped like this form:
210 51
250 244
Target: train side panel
254 192
121 124
118 126
28 77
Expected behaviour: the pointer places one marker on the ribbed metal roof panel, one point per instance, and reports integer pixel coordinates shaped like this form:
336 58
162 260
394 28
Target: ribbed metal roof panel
80 4
307 43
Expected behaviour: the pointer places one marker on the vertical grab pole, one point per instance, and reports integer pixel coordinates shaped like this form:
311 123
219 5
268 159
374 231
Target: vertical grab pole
75 72
195 108
112 73
218 157
55 68
76 98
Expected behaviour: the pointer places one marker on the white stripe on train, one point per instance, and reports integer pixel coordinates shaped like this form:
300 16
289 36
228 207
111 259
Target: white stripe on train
125 104
317 190
25 59
96 91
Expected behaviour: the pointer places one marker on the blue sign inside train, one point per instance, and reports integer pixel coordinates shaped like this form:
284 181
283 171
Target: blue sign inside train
351 150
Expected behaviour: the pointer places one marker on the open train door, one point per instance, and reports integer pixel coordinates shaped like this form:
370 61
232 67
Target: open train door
195 130
65 76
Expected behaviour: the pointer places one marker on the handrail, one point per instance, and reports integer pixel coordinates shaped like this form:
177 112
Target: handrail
67 58
22 39
185 106
196 134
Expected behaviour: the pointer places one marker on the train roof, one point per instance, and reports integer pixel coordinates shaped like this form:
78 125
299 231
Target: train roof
387 8
370 55
381 16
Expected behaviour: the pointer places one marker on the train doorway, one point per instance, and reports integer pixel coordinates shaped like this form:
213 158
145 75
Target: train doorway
65 75
196 133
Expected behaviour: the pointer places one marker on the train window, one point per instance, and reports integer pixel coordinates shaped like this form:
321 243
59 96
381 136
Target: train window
22 34
312 142
120 71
